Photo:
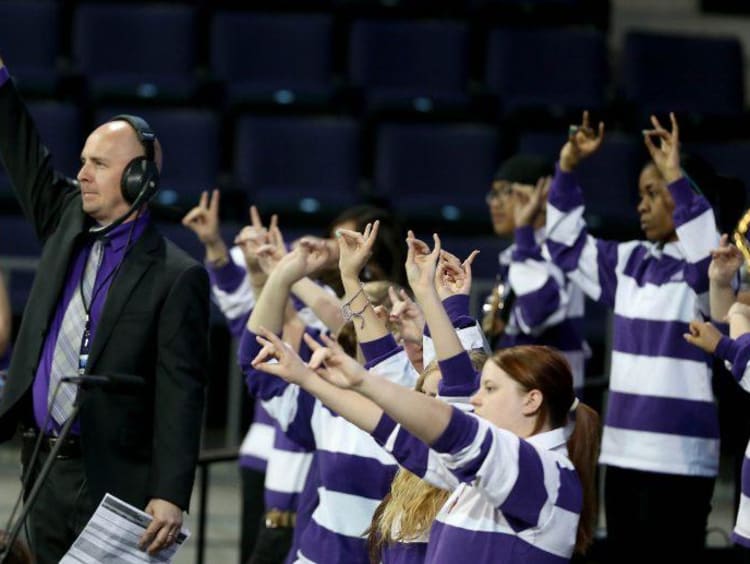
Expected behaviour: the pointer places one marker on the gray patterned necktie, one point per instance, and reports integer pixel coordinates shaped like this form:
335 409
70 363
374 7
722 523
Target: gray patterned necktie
65 361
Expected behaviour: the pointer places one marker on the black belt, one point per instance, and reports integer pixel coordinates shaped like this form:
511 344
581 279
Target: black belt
70 448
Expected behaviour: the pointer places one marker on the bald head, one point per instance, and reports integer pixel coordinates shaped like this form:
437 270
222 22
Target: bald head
123 125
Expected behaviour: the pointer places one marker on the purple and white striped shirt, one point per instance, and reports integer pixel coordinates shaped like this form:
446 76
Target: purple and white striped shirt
661 415
513 500
264 447
736 355
548 308
355 473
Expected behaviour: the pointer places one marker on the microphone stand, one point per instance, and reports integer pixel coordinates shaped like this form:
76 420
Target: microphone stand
40 479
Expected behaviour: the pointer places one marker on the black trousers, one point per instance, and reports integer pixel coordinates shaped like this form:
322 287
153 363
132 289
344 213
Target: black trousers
253 508
272 545
62 509
653 517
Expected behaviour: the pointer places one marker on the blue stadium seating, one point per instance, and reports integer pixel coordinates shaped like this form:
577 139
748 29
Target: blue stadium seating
436 169
285 58
136 50
301 164
419 65
698 75
557 70
30 42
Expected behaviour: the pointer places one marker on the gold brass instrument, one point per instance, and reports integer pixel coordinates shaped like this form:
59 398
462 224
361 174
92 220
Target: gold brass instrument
492 321
740 236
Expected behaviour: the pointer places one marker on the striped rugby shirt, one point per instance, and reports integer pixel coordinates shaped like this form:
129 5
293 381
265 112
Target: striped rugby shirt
661 415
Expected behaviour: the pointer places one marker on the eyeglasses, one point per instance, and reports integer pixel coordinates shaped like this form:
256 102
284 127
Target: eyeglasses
500 189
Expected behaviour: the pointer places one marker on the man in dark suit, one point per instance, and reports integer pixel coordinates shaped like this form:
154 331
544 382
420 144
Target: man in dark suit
128 303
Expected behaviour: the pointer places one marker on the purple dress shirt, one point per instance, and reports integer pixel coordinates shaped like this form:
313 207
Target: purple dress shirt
113 253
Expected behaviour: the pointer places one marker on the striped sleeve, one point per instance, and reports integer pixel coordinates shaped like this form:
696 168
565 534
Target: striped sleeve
459 381
540 289
232 292
258 442
511 473
698 236
468 330
588 261
290 406
736 352
413 454
385 358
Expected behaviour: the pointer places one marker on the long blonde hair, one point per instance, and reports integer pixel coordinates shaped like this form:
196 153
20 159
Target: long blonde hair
412 503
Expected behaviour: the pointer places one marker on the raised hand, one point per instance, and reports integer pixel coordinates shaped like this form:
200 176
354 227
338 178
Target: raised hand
305 259
725 262
421 263
355 249
582 142
274 250
318 253
528 203
407 316
666 156
203 219
453 277
333 364
251 238
288 365
331 249
703 335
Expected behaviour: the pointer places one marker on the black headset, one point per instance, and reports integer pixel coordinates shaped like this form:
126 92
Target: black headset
140 177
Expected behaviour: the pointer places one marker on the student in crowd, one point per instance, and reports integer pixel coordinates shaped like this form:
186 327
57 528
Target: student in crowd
734 350
402 522
273 469
533 302
354 471
661 435
516 496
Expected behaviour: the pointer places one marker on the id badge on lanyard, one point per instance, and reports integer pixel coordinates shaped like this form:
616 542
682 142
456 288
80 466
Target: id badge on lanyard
83 354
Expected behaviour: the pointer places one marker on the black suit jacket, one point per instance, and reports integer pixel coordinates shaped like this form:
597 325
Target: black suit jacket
154 325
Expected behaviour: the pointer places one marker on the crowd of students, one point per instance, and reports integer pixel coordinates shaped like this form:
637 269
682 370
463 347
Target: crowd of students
392 426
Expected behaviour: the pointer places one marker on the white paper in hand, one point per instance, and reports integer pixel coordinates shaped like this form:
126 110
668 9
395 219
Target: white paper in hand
112 535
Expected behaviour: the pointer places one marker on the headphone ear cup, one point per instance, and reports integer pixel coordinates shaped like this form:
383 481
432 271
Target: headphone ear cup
140 179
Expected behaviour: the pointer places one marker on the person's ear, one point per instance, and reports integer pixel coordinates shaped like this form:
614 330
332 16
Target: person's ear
532 402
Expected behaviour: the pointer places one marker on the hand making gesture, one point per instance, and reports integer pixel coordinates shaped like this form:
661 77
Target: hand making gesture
332 364
407 316
453 277
203 219
305 259
421 263
251 238
666 156
582 142
725 262
703 335
355 249
529 203
279 359
274 249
